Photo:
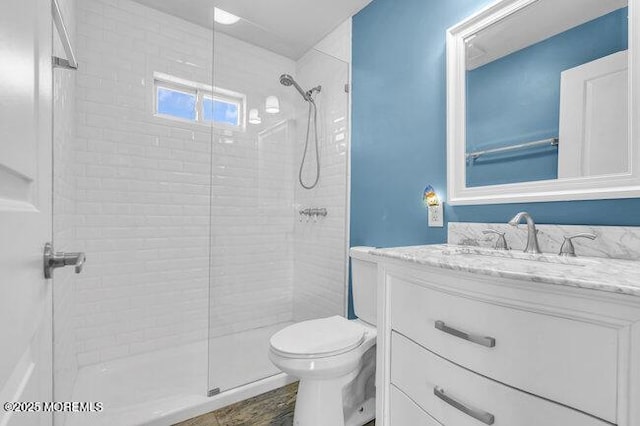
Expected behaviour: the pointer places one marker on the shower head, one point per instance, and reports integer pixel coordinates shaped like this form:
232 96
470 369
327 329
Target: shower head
287 80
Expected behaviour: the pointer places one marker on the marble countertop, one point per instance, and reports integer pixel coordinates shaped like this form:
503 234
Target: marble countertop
609 275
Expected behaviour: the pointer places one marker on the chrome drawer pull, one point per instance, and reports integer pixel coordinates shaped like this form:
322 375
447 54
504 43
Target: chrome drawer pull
489 342
483 416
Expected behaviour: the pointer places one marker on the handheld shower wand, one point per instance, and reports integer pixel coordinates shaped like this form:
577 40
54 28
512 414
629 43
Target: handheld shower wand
287 80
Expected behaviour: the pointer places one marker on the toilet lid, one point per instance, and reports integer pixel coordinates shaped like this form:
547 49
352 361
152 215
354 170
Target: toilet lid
319 337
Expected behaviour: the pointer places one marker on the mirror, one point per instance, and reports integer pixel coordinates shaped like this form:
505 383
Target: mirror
539 101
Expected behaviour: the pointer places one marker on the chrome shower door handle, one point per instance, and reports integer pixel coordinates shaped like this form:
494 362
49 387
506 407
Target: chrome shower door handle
54 260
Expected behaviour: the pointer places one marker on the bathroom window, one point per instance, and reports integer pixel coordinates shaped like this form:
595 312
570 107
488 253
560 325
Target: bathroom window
175 103
220 111
199 103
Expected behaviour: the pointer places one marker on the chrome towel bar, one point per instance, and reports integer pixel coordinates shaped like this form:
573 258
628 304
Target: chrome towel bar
544 142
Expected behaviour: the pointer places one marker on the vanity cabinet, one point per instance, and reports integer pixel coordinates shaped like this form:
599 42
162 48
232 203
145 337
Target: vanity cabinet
458 348
453 395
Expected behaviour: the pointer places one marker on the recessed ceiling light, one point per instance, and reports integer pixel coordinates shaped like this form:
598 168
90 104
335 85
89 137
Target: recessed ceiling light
223 17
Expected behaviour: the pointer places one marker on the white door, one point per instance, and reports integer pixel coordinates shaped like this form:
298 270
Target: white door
594 138
25 207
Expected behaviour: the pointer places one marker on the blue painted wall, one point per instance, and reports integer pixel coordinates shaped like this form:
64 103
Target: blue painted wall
505 103
398 131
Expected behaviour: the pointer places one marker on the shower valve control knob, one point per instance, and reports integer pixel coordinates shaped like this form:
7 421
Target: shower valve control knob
54 260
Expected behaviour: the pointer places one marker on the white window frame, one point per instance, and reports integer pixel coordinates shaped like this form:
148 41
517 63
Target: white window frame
200 90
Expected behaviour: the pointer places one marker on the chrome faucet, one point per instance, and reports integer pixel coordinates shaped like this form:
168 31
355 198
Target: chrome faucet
532 237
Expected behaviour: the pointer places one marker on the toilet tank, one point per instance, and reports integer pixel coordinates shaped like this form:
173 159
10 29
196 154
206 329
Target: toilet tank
364 276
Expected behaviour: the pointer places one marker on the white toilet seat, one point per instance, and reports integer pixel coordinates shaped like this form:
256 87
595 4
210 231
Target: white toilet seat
318 338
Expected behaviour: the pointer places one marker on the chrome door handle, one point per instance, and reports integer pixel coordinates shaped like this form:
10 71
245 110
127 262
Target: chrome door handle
483 416
487 341
53 260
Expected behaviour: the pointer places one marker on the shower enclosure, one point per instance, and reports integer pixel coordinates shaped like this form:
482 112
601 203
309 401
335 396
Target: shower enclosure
176 162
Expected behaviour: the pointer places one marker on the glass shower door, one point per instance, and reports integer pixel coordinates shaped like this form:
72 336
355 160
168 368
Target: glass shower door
132 164
252 219
270 265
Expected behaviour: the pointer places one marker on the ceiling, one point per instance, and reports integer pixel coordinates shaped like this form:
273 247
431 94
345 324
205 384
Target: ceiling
537 22
287 27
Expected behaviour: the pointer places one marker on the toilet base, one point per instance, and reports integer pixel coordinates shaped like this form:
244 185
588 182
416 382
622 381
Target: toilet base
340 401
364 415
319 403
358 396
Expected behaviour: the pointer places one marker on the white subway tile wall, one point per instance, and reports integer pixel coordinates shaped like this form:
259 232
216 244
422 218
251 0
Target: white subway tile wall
144 185
320 247
252 204
64 209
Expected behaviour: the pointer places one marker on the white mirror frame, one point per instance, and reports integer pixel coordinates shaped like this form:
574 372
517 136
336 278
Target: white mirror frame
625 185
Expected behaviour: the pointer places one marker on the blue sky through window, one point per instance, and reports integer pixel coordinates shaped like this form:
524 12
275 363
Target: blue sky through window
220 111
176 103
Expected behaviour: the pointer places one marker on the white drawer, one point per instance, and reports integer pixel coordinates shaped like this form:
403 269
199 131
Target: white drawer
418 373
565 360
405 412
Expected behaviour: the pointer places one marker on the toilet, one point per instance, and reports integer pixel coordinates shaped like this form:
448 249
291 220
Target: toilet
333 357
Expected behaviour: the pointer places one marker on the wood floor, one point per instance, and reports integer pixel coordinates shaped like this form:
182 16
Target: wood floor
273 408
